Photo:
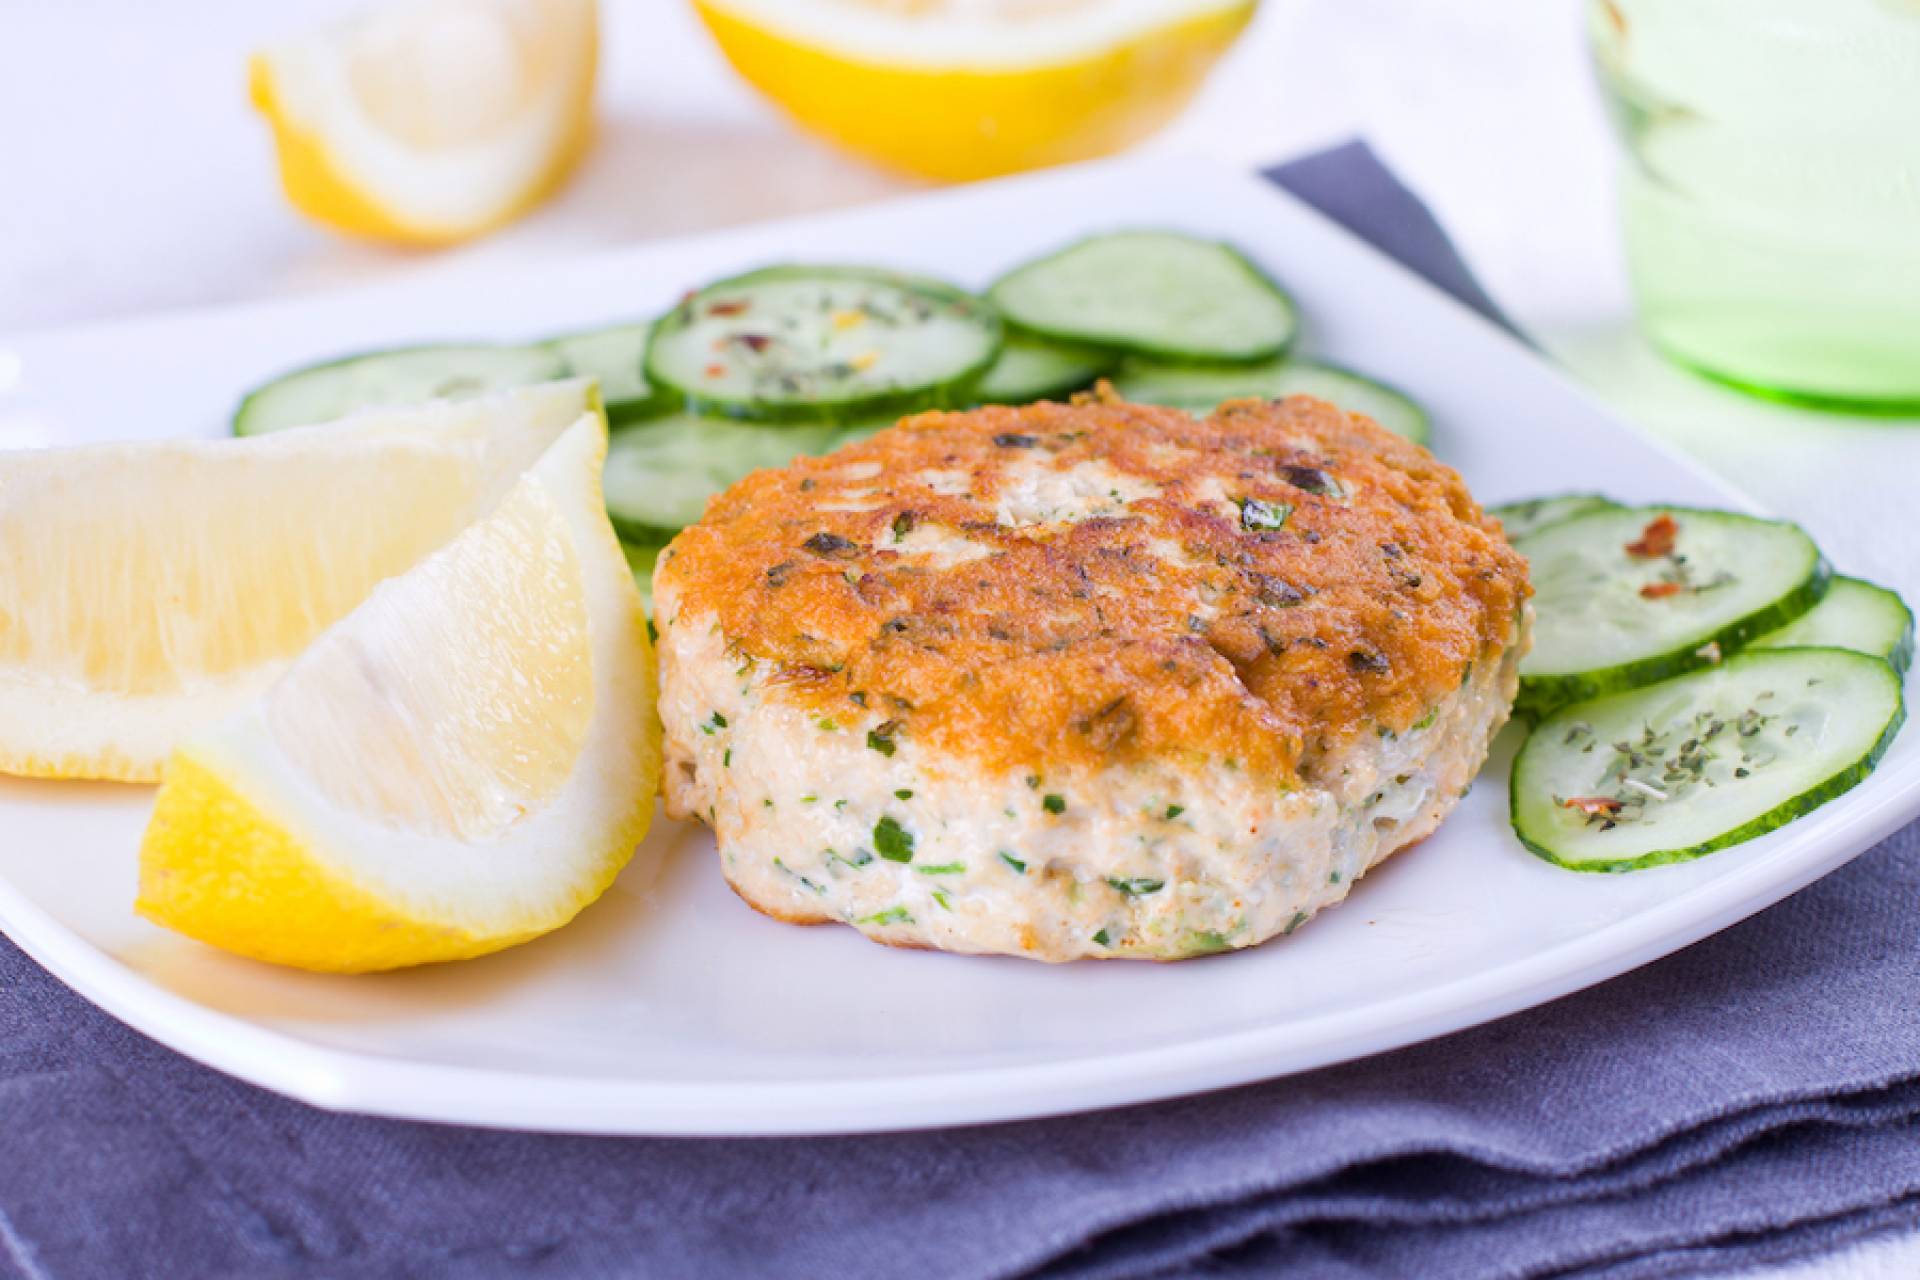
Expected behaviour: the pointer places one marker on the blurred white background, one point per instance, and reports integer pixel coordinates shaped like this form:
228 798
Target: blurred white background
137 178
134 177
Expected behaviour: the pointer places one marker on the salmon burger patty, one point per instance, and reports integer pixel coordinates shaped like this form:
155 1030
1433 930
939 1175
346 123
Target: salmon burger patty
1087 680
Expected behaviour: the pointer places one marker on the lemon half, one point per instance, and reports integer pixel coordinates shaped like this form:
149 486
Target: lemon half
152 588
431 121
964 89
462 763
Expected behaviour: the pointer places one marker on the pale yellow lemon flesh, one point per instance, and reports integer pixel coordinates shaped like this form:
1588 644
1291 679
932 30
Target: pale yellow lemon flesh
152 588
461 764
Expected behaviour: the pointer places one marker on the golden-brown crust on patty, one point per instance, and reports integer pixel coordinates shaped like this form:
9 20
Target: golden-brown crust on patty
1166 625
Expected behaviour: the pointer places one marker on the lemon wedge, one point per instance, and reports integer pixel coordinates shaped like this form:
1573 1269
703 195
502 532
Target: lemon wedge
462 763
964 89
152 588
431 121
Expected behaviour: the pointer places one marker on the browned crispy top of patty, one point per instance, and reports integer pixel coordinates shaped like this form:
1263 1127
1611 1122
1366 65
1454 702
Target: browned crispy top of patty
1255 587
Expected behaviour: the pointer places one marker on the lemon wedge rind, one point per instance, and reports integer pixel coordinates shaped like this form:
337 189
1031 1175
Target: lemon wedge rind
330 825
432 122
957 92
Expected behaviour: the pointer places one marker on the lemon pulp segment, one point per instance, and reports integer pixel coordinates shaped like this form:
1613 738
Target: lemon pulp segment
151 588
462 763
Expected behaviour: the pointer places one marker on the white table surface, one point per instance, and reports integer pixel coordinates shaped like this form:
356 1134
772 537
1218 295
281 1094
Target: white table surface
133 178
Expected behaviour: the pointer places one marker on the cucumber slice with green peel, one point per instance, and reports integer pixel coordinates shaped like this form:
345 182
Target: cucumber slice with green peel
660 472
823 344
613 355
1852 615
1198 388
1031 369
1151 293
1702 761
384 379
1628 596
1523 519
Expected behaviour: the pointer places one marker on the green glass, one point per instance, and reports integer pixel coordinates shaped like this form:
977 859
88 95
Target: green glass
1771 196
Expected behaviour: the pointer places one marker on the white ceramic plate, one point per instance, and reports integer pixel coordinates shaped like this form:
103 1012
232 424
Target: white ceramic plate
671 1008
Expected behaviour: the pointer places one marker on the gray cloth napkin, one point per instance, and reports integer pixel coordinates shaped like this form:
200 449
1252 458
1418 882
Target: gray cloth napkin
1754 1097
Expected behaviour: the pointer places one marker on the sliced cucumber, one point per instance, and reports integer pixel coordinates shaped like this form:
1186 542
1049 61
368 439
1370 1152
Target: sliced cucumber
660 472
613 355
1628 596
823 344
1031 369
1523 519
1151 293
1702 761
1198 388
382 379
1852 615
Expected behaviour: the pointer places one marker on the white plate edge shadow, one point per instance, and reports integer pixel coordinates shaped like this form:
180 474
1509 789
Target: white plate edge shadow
337 1080
340 1080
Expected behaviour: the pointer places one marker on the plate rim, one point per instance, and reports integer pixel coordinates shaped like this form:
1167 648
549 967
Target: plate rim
344 1080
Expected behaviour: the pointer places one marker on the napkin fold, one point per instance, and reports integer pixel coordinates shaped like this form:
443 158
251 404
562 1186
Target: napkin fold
1752 1098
